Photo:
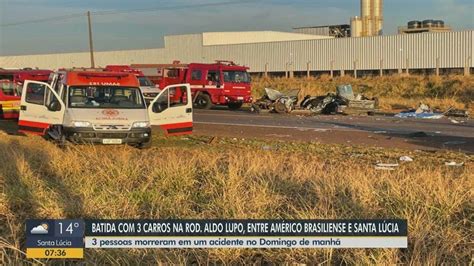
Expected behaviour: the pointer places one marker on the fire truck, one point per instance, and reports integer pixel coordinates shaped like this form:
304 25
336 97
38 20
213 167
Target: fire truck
11 81
102 107
222 83
148 88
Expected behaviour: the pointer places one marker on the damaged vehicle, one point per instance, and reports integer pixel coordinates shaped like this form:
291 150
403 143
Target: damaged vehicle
338 103
277 102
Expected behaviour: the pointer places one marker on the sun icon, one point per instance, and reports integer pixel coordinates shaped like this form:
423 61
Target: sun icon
45 226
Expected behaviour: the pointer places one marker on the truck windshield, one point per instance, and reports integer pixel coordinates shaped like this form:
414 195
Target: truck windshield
236 76
6 77
105 97
145 82
9 88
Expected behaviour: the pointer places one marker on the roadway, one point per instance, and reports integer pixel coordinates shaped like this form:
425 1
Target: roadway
379 131
375 131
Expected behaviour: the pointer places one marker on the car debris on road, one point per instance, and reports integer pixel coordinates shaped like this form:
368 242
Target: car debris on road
332 103
406 159
386 166
338 103
277 102
452 112
423 112
454 164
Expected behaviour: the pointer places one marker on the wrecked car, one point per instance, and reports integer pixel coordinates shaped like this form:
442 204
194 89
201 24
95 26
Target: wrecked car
337 103
277 102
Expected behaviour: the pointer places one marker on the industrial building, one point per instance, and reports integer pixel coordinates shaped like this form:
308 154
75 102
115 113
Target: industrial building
369 23
357 49
288 52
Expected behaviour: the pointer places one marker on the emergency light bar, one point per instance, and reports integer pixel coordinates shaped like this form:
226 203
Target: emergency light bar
103 75
39 74
225 62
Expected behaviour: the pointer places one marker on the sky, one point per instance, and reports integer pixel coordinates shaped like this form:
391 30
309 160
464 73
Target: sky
136 30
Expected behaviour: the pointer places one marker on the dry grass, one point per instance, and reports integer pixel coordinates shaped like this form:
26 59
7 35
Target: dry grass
190 179
394 92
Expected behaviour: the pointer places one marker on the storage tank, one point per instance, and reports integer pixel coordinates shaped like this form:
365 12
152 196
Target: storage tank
438 23
356 27
428 23
377 17
414 24
365 7
366 14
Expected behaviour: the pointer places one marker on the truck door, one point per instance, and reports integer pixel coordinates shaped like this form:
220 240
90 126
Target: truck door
40 108
172 110
213 79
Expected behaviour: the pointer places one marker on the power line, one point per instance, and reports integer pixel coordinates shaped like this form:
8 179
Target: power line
115 12
58 18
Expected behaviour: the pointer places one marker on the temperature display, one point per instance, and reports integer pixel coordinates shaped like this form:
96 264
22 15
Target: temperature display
70 228
55 239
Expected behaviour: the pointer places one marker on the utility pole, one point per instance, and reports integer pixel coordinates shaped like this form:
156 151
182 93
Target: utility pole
91 47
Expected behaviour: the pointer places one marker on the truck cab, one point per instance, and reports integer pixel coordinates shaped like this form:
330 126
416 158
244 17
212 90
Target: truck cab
11 81
103 108
148 88
9 99
223 83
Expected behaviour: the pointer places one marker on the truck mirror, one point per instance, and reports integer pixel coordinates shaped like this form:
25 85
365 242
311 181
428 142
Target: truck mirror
54 106
159 107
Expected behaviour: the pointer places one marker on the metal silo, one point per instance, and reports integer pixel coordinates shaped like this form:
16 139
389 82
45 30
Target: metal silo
365 8
377 17
366 16
356 27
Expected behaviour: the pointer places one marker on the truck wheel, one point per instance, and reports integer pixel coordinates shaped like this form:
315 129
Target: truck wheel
235 105
144 145
203 101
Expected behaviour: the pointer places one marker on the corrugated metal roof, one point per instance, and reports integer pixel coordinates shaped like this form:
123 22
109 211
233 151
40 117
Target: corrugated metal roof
224 38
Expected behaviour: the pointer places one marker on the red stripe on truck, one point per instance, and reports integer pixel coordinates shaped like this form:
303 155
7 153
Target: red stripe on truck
178 129
30 127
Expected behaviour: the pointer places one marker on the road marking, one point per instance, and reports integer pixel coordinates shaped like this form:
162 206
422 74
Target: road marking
233 115
268 126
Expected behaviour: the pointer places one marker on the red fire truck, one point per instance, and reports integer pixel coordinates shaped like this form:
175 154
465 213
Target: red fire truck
148 88
222 83
11 81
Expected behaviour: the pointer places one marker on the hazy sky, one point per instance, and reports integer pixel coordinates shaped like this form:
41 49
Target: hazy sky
146 29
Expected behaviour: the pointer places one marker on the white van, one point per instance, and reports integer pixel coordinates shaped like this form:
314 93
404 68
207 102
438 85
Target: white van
102 107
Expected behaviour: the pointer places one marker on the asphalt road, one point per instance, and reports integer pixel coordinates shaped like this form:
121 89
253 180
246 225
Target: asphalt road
378 131
381 131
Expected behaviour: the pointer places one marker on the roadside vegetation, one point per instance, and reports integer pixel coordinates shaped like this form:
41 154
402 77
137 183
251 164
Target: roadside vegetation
192 177
395 92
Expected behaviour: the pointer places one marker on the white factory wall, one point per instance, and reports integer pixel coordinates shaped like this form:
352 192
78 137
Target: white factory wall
224 38
452 48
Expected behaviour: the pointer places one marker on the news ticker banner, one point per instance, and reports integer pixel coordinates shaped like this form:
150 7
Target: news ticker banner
68 238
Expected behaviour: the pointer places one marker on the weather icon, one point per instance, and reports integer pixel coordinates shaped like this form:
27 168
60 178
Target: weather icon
41 229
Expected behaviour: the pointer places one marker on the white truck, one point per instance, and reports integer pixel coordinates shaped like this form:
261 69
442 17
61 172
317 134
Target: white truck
102 107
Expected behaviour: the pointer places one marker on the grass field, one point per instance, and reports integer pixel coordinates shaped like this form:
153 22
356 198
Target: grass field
189 178
395 92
